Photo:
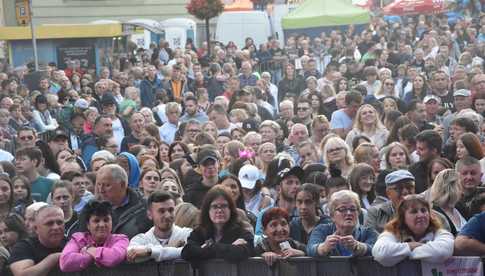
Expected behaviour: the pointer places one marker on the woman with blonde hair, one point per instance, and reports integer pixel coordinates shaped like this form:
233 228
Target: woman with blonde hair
367 123
266 153
337 152
386 89
445 192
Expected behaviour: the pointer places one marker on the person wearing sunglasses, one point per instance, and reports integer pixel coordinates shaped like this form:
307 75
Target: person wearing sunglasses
344 236
26 137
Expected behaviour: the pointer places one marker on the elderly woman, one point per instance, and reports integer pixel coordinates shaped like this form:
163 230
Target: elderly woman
344 236
367 123
97 245
277 244
219 234
446 192
414 232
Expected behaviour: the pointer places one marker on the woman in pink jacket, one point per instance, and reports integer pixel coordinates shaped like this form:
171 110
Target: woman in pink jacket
96 245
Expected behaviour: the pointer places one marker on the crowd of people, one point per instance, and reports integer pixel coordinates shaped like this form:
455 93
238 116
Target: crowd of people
347 144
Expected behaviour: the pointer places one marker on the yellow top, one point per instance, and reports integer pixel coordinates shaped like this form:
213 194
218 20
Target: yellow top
62 31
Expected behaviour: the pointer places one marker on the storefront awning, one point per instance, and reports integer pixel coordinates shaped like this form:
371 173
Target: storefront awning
62 31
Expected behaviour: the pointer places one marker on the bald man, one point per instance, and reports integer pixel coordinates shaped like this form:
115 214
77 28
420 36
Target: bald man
40 254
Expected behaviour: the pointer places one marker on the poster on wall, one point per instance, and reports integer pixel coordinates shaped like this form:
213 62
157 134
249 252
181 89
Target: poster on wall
82 56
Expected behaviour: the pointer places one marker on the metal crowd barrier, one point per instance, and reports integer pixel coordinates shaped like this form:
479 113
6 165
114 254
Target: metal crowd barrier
301 266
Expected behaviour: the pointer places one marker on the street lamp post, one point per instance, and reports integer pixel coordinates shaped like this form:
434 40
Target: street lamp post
34 40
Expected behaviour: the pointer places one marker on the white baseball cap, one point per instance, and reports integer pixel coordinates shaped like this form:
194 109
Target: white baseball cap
248 175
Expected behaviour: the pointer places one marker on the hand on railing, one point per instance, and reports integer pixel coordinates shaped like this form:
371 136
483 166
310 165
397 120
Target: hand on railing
270 257
240 242
134 253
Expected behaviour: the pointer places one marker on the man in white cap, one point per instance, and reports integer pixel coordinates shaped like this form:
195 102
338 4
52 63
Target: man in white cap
432 104
399 184
462 99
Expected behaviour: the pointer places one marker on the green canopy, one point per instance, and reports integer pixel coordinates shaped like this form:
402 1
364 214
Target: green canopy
325 13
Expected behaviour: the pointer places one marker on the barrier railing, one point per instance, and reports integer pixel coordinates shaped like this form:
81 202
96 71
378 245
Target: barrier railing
302 266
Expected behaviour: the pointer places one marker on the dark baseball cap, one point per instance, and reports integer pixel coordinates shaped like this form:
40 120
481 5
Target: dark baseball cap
58 135
108 99
286 172
207 154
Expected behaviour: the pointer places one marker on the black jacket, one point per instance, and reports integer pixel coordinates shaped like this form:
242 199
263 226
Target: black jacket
223 249
129 219
294 86
420 172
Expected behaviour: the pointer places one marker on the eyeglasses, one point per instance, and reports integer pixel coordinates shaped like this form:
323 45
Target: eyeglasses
219 206
25 138
334 150
344 210
193 130
399 188
302 108
156 178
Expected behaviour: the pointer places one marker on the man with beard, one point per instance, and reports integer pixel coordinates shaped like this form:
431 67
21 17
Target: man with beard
470 175
289 180
164 241
192 111
40 254
428 147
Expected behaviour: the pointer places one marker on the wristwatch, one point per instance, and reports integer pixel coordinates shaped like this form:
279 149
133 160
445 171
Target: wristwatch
149 251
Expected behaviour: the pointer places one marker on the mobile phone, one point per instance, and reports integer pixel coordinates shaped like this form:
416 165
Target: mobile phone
285 245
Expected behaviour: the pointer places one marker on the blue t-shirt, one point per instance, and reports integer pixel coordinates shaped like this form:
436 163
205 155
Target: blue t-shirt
475 228
340 119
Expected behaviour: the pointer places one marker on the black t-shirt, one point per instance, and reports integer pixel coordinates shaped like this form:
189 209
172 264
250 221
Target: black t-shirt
447 101
32 249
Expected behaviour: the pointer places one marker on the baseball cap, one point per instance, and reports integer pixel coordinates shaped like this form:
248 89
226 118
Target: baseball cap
57 135
250 125
462 92
248 175
396 176
81 103
108 99
205 155
286 172
431 97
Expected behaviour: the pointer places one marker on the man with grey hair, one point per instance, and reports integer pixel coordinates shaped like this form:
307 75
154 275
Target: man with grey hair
169 128
129 210
287 110
192 128
273 89
39 254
